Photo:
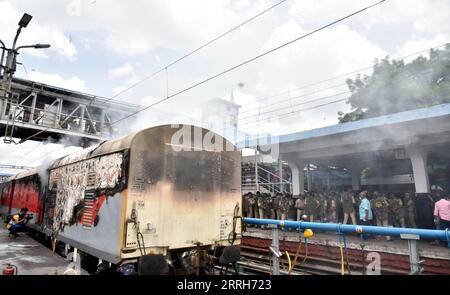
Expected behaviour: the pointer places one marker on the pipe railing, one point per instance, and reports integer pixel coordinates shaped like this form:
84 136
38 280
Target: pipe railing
432 234
409 234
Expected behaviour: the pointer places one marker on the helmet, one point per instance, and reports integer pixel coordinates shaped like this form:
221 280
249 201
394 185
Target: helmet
308 233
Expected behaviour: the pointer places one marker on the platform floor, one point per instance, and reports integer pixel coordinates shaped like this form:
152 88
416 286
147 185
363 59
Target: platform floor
30 257
377 244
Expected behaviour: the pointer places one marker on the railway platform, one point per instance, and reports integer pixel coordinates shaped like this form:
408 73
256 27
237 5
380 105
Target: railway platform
30 257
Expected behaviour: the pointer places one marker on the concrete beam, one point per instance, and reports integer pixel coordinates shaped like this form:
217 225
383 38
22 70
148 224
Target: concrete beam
418 156
355 170
298 183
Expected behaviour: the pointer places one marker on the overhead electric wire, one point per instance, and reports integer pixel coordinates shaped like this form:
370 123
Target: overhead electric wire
289 99
247 61
336 77
290 113
174 62
197 49
295 105
32 149
47 154
248 125
308 85
311 93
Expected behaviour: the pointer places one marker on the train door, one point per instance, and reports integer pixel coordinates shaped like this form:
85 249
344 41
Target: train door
42 200
49 208
12 186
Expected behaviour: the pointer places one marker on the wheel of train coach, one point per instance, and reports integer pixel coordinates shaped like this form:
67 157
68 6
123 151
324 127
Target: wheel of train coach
160 190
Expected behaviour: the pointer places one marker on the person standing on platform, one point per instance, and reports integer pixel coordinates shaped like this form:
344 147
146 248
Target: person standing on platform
245 204
381 208
402 212
395 204
276 205
312 206
300 206
365 211
411 210
348 205
442 213
251 205
424 210
333 208
284 205
323 207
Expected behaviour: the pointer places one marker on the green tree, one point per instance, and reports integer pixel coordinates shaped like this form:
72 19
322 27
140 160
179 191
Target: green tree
395 86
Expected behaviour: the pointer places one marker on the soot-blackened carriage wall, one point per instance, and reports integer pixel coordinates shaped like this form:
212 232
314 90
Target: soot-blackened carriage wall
181 190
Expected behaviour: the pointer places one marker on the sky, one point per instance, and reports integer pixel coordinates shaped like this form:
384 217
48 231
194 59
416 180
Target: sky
104 46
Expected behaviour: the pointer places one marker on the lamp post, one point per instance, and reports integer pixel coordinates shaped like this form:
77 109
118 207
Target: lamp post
10 65
3 48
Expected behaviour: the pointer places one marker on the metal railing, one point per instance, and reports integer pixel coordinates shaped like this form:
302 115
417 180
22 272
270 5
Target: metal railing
280 185
19 113
412 235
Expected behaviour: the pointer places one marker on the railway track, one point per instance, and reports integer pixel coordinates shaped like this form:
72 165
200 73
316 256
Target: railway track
257 260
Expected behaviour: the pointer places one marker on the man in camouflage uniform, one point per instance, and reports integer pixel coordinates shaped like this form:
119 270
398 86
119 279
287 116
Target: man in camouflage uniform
291 212
285 203
332 208
257 197
411 210
251 205
271 212
395 210
381 208
323 200
348 205
403 211
300 206
264 206
276 205
312 206
245 205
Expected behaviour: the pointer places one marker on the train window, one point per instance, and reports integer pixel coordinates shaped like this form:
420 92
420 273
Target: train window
49 208
200 171
227 172
181 166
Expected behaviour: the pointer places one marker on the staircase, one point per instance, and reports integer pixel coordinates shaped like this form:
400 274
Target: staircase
267 181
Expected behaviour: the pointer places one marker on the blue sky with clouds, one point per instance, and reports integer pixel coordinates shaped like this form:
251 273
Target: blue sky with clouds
104 46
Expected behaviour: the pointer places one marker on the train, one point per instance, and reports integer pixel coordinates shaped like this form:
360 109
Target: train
169 190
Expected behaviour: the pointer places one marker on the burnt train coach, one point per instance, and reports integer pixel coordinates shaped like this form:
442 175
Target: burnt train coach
155 191
22 190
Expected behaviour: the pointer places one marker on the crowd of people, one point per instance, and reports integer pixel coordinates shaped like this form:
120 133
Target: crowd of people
365 207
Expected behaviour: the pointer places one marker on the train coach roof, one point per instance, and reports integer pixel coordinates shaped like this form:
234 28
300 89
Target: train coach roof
106 147
29 172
